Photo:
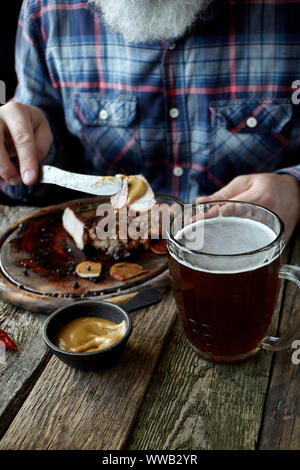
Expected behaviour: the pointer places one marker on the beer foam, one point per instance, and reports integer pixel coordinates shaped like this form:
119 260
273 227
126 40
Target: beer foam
227 236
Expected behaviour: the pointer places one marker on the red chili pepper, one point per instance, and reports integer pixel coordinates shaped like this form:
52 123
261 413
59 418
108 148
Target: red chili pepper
9 343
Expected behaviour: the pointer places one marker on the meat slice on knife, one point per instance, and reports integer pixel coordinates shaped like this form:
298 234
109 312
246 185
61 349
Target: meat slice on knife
137 198
136 192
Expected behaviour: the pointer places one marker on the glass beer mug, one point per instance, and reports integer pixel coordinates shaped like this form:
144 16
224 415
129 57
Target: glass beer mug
224 262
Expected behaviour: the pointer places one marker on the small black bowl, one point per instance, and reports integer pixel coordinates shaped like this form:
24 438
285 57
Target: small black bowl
88 360
106 357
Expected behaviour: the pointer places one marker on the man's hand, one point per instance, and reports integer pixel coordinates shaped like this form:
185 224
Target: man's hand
278 192
25 132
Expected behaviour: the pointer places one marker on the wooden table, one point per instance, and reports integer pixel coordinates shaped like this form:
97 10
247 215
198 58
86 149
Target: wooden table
160 395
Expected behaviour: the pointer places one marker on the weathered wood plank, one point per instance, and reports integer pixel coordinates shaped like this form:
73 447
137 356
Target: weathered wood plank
17 374
281 424
197 405
71 409
192 404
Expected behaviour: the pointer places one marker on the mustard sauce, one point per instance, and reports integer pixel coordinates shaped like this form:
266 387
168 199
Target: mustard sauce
103 180
87 334
136 187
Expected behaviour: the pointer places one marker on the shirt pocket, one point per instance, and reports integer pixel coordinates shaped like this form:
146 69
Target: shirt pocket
248 136
108 128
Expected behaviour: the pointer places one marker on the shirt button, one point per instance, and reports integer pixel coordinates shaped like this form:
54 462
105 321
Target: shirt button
251 122
174 113
172 46
177 171
103 115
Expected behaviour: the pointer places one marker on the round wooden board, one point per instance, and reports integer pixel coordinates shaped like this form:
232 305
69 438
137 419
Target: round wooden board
38 260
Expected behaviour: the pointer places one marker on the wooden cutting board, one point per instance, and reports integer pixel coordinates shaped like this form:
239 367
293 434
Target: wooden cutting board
38 260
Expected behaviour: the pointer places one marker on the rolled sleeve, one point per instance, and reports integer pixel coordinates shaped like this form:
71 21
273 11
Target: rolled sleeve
293 171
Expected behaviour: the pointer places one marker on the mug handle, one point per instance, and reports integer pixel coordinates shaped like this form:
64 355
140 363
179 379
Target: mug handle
272 343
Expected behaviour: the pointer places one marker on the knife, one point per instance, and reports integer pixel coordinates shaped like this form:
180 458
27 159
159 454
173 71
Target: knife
97 185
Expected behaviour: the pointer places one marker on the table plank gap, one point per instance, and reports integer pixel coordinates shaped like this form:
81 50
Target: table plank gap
280 427
202 406
17 400
286 258
72 409
20 369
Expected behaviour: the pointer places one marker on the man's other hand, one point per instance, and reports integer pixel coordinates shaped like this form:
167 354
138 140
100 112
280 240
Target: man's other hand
25 132
278 192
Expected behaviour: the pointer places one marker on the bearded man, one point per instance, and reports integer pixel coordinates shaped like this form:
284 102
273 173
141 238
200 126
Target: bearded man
194 94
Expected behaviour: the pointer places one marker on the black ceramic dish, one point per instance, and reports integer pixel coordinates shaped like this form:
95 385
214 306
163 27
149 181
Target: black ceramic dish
106 357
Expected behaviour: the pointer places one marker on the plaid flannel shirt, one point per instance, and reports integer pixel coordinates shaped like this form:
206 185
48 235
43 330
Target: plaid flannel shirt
190 114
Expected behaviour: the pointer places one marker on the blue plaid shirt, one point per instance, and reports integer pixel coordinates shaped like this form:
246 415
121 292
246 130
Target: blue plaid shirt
190 114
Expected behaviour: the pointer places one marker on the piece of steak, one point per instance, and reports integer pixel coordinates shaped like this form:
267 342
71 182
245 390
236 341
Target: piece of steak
84 229
125 227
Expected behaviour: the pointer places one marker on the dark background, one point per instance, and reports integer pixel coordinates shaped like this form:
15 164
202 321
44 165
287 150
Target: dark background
8 26
9 15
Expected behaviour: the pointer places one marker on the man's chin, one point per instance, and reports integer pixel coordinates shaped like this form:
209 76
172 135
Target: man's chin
140 21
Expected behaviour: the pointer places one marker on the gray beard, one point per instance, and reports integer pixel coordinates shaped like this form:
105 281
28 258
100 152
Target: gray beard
150 20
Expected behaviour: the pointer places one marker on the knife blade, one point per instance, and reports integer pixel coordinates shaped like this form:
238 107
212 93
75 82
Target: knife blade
91 184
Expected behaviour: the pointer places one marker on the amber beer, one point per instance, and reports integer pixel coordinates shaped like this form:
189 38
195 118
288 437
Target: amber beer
226 291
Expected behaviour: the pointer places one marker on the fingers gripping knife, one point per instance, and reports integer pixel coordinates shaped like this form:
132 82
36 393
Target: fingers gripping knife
96 185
